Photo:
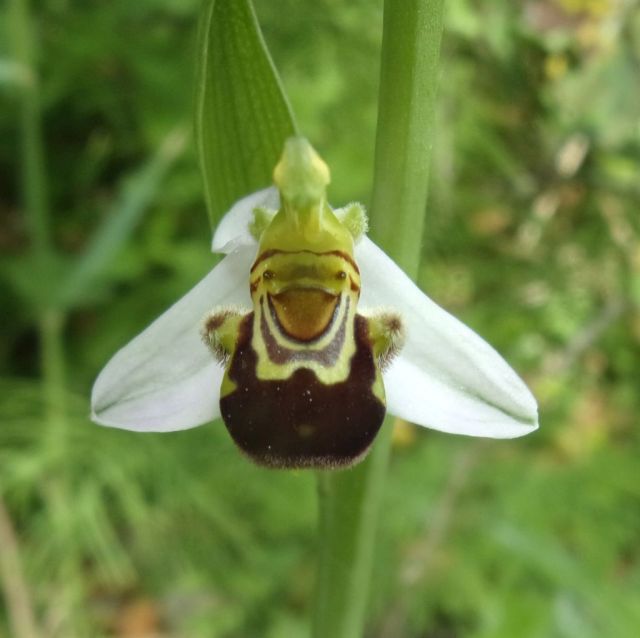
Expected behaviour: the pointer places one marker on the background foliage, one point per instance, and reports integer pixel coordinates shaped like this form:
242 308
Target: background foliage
531 237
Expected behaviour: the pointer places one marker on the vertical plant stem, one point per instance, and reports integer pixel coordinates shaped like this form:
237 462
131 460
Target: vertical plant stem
51 319
36 205
408 87
34 183
350 500
349 503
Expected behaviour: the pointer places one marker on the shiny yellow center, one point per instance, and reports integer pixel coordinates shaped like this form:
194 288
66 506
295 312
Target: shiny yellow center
304 313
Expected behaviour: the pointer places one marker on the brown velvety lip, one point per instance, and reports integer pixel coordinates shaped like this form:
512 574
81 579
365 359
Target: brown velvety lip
305 313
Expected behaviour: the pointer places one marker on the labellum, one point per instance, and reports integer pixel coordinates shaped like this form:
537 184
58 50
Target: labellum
303 384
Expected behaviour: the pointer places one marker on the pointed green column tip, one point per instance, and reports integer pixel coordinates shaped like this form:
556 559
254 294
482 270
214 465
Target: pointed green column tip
305 221
301 175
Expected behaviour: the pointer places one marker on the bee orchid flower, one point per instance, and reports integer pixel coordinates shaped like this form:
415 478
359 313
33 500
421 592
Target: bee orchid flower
303 336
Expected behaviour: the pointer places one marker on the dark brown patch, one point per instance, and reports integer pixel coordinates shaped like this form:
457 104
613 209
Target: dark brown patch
353 285
394 323
213 322
300 422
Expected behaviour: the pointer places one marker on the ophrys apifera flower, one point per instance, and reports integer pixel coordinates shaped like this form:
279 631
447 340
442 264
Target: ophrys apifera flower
310 334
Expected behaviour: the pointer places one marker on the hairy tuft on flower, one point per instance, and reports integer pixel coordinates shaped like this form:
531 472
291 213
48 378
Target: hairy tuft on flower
218 332
390 332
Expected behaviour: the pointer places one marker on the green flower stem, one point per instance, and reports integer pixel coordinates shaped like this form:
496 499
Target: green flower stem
350 500
32 148
408 86
36 205
349 503
51 321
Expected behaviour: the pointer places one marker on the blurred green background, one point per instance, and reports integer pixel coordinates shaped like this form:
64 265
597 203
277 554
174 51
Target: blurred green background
532 238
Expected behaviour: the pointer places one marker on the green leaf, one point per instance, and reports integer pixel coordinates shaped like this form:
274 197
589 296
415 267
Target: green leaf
242 114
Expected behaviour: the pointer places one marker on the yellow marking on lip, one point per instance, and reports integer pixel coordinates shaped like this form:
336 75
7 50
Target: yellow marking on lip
304 313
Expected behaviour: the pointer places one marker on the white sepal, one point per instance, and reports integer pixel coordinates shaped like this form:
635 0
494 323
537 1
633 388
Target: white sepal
166 379
446 377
